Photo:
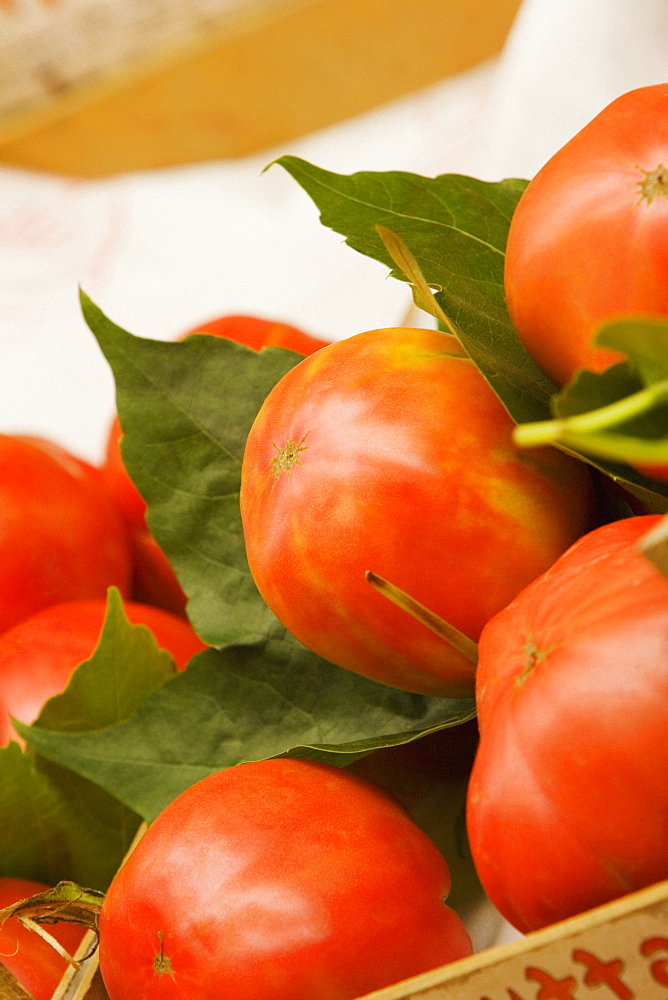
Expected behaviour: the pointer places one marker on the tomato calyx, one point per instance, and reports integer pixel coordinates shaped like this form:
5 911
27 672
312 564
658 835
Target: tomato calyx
654 184
66 901
287 457
534 656
162 964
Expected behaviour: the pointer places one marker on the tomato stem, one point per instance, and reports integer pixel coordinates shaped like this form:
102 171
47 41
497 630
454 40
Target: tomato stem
589 431
66 901
287 457
654 183
458 640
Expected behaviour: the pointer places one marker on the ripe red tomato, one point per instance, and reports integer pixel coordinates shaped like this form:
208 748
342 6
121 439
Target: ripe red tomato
384 452
568 799
154 579
32 961
258 333
277 880
589 238
659 473
39 654
60 535
127 497
429 776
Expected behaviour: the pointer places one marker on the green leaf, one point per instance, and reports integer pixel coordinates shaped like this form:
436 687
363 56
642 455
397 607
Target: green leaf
185 409
126 666
590 391
456 228
244 702
55 824
643 339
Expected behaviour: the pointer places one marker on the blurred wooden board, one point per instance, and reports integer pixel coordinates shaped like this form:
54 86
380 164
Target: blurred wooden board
276 71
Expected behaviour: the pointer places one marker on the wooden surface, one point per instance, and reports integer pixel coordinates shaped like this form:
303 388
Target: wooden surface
262 84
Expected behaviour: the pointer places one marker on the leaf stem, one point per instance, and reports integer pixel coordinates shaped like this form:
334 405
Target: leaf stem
583 430
423 294
654 545
467 647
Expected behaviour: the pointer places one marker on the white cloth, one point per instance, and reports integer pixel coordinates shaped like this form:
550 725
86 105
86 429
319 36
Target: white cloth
563 62
160 251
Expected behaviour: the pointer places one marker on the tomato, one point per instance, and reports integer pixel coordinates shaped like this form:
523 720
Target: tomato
568 799
659 473
154 579
129 500
60 535
589 238
384 452
39 654
277 880
258 333
31 960
429 776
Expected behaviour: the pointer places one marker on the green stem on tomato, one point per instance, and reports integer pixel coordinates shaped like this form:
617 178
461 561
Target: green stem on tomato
589 432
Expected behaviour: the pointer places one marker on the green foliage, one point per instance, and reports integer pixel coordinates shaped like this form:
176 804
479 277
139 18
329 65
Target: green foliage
54 824
245 703
619 417
185 410
130 733
456 228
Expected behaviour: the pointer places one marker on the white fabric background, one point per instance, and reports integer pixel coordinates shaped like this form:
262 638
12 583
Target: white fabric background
161 251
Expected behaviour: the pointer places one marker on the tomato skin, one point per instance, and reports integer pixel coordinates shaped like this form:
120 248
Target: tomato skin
407 469
39 654
659 473
584 243
429 776
568 801
154 580
257 333
60 535
32 961
277 880
127 497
